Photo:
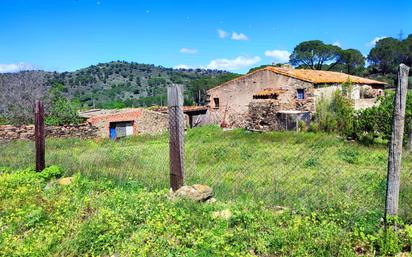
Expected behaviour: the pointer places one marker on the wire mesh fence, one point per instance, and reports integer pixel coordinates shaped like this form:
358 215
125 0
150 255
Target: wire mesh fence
302 171
306 172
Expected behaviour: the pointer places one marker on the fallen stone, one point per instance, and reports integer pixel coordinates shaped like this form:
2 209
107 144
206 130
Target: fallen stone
403 254
199 193
225 214
211 200
279 209
65 181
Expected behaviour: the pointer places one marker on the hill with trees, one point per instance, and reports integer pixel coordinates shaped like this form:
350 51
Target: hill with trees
115 84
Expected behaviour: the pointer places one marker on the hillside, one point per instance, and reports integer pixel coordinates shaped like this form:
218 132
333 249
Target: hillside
107 85
132 83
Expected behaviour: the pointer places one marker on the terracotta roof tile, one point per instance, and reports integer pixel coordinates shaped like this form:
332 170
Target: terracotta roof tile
321 76
312 76
269 91
164 109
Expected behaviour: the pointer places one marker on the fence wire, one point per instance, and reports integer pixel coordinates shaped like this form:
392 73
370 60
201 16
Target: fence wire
306 172
310 172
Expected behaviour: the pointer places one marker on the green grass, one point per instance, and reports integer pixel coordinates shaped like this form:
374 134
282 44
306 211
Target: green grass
333 189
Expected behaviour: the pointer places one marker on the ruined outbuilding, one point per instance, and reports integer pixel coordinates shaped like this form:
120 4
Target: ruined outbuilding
125 122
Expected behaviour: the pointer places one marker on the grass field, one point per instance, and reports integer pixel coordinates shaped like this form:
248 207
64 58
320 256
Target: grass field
334 191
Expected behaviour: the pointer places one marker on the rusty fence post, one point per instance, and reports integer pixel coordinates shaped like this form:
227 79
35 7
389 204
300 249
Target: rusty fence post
39 135
395 146
176 136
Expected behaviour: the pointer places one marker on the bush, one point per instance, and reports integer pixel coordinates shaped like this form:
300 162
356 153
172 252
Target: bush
61 111
51 172
335 115
367 126
375 123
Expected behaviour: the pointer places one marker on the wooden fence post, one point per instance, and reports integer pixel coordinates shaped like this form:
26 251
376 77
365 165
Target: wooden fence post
39 135
410 136
395 146
176 136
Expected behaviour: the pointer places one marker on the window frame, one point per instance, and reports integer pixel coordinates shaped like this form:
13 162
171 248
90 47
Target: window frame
216 102
300 94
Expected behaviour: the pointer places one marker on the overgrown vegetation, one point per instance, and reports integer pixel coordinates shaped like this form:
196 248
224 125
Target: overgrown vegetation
333 190
61 111
368 126
97 217
334 115
374 124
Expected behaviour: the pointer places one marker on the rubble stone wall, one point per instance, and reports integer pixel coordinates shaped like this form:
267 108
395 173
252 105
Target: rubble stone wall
265 116
26 132
151 122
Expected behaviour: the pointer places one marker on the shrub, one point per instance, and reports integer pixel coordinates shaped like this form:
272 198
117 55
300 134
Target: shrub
335 114
61 111
376 122
52 171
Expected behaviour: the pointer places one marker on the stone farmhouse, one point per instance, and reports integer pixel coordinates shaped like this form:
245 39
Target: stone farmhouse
283 91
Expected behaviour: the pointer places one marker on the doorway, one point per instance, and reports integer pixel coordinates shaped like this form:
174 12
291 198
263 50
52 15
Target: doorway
121 129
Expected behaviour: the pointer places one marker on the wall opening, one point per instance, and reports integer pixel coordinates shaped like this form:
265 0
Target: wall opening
301 94
121 129
216 102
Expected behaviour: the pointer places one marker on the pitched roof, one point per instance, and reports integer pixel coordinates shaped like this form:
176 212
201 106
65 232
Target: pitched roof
322 77
186 109
312 76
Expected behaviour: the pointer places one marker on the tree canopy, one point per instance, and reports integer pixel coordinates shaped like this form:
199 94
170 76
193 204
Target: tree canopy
314 54
351 61
387 54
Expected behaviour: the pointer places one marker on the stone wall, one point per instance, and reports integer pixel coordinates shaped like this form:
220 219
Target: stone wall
26 132
235 96
151 122
268 115
360 104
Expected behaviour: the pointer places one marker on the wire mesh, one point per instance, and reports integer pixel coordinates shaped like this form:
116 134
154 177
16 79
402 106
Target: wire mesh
308 172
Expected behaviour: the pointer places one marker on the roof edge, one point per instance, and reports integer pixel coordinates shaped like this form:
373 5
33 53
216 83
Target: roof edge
269 68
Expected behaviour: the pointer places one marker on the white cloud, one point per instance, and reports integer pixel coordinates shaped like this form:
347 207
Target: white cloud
278 55
233 64
222 33
185 50
181 66
15 67
239 36
337 43
373 42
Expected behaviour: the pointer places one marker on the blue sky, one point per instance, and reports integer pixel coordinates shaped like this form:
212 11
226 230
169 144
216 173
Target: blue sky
65 35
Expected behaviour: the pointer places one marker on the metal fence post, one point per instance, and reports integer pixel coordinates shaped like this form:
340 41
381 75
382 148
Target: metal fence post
176 136
395 146
39 135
